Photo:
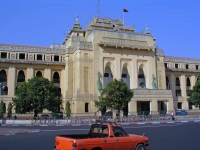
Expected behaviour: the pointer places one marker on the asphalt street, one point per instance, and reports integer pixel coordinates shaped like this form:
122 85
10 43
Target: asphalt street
166 136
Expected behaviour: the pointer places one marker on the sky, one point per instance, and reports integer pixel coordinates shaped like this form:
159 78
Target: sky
174 23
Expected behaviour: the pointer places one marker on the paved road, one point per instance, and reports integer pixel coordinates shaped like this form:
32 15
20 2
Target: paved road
165 136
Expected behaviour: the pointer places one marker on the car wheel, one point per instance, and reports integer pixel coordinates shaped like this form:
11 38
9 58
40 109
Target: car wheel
140 147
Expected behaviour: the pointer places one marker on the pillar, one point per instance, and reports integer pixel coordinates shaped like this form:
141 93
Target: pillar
117 68
183 86
173 85
11 80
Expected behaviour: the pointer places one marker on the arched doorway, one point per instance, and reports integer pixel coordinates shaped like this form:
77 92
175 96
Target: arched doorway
107 76
39 74
141 79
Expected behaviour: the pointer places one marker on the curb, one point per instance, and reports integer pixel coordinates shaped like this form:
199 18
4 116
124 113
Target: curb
124 123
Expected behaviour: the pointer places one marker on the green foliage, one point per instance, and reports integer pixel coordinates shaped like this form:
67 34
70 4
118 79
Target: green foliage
195 94
116 96
37 94
68 109
9 110
1 109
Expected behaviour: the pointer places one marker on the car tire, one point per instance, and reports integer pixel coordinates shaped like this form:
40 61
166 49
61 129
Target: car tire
140 147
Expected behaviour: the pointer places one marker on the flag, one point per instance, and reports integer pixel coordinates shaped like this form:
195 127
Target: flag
125 10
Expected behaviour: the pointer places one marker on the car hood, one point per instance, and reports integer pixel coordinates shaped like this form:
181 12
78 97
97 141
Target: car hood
141 137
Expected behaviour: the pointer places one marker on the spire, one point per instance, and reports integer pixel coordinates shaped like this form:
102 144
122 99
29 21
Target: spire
77 25
147 30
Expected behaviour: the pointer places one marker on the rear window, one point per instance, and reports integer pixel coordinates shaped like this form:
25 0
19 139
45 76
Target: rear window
99 129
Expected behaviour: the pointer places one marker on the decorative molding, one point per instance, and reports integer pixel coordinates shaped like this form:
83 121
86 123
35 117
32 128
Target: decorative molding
124 43
182 60
30 49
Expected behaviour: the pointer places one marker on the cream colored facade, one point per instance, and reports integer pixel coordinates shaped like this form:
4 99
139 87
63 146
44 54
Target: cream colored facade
110 49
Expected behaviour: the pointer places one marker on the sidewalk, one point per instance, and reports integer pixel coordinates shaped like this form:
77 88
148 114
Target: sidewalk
22 123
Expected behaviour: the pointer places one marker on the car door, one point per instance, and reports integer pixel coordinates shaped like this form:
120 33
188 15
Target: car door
122 140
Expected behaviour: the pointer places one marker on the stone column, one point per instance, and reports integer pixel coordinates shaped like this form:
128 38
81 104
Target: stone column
47 73
154 106
167 103
173 85
193 81
132 106
117 68
30 73
134 82
11 80
183 86
150 107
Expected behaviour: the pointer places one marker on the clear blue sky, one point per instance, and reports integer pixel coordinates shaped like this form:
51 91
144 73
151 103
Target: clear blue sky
174 23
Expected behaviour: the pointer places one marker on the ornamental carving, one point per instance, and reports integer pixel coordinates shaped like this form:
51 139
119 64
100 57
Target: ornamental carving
27 49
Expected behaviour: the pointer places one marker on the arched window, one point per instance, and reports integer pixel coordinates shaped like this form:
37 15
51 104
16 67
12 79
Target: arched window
125 77
177 81
188 82
107 76
3 76
56 77
39 74
21 76
141 79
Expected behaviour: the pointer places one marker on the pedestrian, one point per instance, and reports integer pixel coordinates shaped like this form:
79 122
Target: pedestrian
172 115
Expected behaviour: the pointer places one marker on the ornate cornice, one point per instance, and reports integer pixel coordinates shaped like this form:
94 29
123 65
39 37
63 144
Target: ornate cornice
80 46
31 62
124 43
30 49
182 60
149 93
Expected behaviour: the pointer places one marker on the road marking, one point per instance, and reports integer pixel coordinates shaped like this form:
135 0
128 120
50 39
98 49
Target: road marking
140 123
29 125
43 125
155 122
15 125
59 125
184 121
76 125
196 120
170 122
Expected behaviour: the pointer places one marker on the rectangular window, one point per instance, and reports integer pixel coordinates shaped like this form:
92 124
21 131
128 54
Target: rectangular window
86 107
197 67
179 105
21 56
124 75
106 74
39 57
178 92
176 65
166 65
140 76
190 105
3 55
187 66
56 58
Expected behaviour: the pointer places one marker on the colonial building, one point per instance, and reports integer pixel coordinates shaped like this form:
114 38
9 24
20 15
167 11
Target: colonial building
88 59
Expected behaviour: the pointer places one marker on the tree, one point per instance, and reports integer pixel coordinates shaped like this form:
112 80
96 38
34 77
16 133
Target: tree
116 96
37 94
195 94
9 110
68 110
1 109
